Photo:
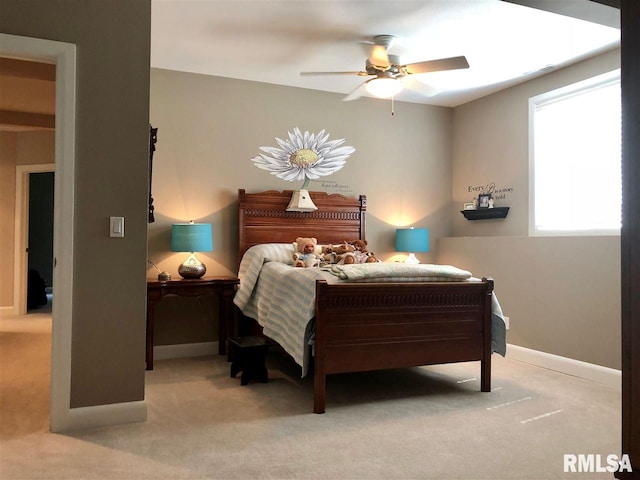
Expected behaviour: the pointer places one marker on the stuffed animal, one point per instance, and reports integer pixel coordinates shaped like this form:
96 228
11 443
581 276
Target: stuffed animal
340 254
305 255
328 256
361 254
359 245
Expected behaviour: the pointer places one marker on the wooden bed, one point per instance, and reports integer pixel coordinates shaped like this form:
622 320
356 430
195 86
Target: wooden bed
373 326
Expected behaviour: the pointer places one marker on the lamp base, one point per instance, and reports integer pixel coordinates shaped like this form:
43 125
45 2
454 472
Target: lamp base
412 259
164 277
192 267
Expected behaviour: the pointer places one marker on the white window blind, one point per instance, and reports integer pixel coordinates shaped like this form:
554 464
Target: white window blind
576 159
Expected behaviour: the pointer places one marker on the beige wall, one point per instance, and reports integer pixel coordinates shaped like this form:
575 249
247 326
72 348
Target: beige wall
562 294
19 147
210 127
35 147
112 121
16 148
27 94
8 154
491 145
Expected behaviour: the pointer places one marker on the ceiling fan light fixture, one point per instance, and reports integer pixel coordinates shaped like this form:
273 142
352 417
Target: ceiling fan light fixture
384 87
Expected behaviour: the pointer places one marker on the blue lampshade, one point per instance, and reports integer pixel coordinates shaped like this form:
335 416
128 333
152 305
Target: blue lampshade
191 237
412 240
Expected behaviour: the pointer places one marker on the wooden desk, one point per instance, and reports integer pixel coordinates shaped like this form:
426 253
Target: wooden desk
223 287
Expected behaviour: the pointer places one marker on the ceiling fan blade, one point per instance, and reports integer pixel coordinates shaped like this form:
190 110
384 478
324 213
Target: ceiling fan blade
412 83
311 74
355 93
378 56
439 65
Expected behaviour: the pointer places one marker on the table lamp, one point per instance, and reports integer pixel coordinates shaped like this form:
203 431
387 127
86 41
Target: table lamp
412 240
191 237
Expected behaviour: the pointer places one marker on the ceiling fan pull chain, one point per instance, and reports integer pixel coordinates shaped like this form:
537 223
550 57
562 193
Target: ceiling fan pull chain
393 112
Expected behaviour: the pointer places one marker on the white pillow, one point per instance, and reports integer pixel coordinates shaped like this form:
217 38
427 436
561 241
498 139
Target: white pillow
275 252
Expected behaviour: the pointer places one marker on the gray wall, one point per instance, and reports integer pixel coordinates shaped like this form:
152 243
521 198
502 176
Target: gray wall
562 294
112 121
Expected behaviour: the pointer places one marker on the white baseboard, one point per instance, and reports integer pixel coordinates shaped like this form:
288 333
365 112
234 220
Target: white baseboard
163 352
588 371
103 416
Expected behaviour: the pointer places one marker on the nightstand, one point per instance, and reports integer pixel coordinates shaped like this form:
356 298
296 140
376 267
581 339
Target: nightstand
223 287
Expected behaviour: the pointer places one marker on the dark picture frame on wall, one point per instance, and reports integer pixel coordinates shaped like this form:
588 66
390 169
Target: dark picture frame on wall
153 139
483 200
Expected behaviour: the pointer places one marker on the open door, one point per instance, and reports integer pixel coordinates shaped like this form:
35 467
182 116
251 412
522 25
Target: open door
40 240
21 260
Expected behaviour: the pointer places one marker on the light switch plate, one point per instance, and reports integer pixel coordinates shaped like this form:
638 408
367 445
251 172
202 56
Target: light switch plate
116 227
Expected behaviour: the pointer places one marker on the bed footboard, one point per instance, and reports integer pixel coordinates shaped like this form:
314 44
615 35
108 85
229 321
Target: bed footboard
374 326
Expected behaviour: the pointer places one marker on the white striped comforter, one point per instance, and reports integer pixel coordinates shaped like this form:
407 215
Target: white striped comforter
281 298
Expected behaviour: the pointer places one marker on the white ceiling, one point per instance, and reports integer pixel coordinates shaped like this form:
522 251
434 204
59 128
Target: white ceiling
273 41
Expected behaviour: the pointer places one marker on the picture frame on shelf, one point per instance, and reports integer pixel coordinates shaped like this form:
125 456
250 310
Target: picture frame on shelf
469 206
483 200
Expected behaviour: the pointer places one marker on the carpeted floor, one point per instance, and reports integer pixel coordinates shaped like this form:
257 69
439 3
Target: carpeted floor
421 423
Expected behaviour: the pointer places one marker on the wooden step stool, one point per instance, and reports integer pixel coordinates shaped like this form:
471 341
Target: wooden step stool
248 354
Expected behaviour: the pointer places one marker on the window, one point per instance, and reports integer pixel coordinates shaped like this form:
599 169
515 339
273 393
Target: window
575 159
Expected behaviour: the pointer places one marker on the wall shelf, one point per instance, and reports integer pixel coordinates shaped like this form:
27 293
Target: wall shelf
485 213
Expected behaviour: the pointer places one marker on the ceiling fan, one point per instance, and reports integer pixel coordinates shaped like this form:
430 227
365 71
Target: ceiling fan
389 75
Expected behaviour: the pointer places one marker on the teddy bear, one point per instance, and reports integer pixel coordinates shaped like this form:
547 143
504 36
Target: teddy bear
327 255
361 254
305 255
337 254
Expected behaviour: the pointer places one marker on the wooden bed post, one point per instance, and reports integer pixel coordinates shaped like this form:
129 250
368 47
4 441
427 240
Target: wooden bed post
363 216
485 364
319 371
320 387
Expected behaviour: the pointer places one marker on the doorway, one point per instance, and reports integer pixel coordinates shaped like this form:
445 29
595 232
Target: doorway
40 242
63 55
39 211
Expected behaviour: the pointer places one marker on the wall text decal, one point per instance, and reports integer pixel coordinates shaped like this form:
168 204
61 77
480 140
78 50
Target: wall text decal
490 188
334 186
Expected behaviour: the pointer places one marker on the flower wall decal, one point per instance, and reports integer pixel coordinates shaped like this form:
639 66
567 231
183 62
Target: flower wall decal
304 157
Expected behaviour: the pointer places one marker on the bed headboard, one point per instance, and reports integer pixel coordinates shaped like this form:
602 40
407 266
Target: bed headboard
263 218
